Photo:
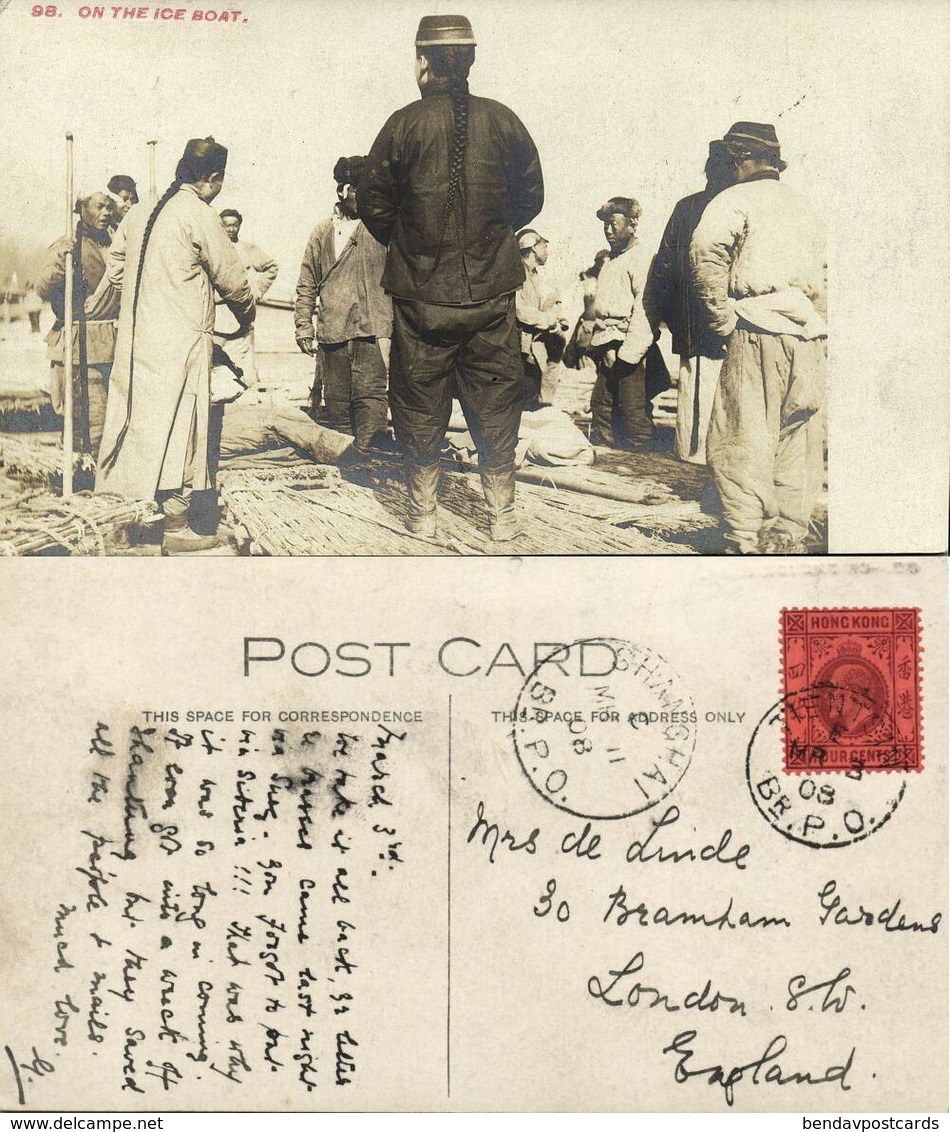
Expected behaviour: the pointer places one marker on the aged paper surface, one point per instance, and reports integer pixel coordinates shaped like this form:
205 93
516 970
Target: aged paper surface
856 91
276 838
510 839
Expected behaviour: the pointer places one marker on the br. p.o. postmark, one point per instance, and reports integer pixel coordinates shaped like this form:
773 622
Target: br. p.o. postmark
817 809
860 669
604 728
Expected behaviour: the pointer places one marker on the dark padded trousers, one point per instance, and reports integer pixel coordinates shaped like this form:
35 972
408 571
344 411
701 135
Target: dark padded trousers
98 390
615 407
471 352
354 388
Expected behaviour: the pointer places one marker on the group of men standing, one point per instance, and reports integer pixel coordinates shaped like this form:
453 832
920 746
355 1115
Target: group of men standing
739 281
423 286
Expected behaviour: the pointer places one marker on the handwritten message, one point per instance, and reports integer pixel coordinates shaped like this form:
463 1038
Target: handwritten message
218 920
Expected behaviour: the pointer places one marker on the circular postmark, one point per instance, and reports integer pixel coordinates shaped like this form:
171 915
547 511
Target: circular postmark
823 809
603 728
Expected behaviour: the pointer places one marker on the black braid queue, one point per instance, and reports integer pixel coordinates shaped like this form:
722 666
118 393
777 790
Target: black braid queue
109 460
453 63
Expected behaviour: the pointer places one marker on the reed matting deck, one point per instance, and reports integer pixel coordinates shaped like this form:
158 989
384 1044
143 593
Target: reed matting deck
325 510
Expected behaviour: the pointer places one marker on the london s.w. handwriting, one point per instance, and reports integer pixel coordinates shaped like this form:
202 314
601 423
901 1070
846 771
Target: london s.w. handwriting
835 997
621 988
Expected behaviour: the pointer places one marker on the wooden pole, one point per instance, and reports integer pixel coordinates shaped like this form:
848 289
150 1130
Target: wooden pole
152 185
68 326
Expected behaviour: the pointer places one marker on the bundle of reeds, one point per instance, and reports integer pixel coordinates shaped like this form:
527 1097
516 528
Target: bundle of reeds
678 517
84 524
29 457
595 482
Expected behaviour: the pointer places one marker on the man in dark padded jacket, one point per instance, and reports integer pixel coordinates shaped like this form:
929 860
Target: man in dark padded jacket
449 180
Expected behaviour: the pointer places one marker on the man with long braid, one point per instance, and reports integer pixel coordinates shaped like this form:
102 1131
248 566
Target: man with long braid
169 259
449 180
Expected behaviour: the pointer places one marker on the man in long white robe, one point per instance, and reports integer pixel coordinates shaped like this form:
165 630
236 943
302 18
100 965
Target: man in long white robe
168 259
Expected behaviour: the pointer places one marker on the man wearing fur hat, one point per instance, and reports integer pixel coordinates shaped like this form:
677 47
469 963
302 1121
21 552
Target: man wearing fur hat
759 266
621 333
339 286
450 178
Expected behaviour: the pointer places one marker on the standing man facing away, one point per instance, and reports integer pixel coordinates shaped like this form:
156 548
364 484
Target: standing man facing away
168 260
449 180
674 301
339 283
261 273
759 265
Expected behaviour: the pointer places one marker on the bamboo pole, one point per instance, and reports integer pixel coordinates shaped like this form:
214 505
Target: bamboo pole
68 327
152 184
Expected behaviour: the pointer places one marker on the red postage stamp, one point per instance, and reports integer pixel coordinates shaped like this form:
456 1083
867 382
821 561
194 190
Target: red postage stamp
851 689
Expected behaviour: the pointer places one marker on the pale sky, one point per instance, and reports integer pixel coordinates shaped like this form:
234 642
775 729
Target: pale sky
619 98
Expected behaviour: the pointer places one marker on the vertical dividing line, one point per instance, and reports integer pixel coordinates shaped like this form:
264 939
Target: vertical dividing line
448 949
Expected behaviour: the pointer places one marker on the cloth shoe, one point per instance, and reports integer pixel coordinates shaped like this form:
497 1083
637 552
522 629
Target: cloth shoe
187 541
179 537
499 489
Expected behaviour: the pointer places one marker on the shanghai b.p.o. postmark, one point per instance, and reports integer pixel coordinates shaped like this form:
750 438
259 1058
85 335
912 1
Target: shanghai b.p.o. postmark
604 729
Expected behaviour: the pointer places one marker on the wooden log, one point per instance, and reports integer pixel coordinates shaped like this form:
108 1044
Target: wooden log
590 481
